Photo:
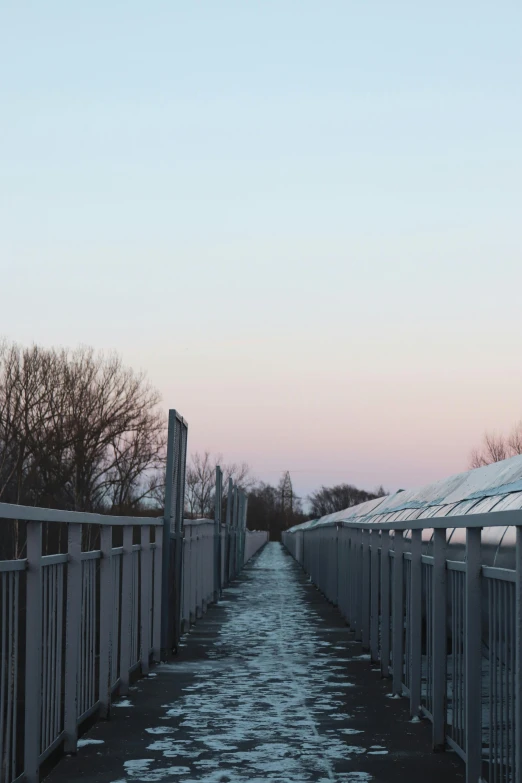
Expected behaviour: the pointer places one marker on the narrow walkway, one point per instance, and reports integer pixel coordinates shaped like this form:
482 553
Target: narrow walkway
269 686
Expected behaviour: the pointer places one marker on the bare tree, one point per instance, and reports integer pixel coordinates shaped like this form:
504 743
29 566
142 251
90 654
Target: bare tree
199 484
114 429
78 430
201 478
496 448
515 439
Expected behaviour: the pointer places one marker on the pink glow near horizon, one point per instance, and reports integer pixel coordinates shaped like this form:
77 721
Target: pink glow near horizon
359 424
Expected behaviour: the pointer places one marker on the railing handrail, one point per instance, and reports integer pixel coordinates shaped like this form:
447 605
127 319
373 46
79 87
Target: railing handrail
38 514
489 519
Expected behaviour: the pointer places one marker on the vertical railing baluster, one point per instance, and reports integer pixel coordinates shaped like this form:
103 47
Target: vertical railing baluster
473 656
358 585
126 611
517 778
512 679
73 620
505 694
365 534
374 595
107 602
45 658
438 655
349 575
156 626
4 666
495 654
218 502
490 674
416 622
15 671
398 614
385 603
94 626
83 621
52 651
145 586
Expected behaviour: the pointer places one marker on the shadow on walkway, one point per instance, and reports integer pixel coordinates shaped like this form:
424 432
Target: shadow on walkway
269 686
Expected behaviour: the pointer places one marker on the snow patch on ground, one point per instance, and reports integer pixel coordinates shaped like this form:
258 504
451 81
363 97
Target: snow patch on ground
161 730
83 742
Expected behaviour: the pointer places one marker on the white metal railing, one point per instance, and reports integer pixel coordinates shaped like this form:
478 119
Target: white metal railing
448 632
73 627
200 564
255 540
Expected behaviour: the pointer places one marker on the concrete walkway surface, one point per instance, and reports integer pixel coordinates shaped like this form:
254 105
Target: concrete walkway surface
268 686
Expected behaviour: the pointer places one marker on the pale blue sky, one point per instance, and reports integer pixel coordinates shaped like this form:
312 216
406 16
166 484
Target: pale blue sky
301 218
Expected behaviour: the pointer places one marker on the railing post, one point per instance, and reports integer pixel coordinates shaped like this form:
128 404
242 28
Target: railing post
385 603
235 512
239 531
126 610
190 564
217 532
145 596
416 622
33 652
198 582
374 626
366 589
228 521
439 643
358 585
473 657
173 532
106 617
185 613
335 569
73 614
158 564
340 571
350 579
517 736
398 613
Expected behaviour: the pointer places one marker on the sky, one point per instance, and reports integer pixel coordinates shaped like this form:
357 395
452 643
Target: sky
300 217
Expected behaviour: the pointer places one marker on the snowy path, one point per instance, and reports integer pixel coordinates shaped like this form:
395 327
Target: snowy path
269 686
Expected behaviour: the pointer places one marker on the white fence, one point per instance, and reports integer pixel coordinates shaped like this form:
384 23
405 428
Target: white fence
448 631
199 562
73 627
255 540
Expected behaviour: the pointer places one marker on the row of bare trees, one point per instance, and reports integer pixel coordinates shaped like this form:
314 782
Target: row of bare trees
78 430
271 508
327 500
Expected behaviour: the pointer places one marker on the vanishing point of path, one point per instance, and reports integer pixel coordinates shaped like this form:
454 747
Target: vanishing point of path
269 686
